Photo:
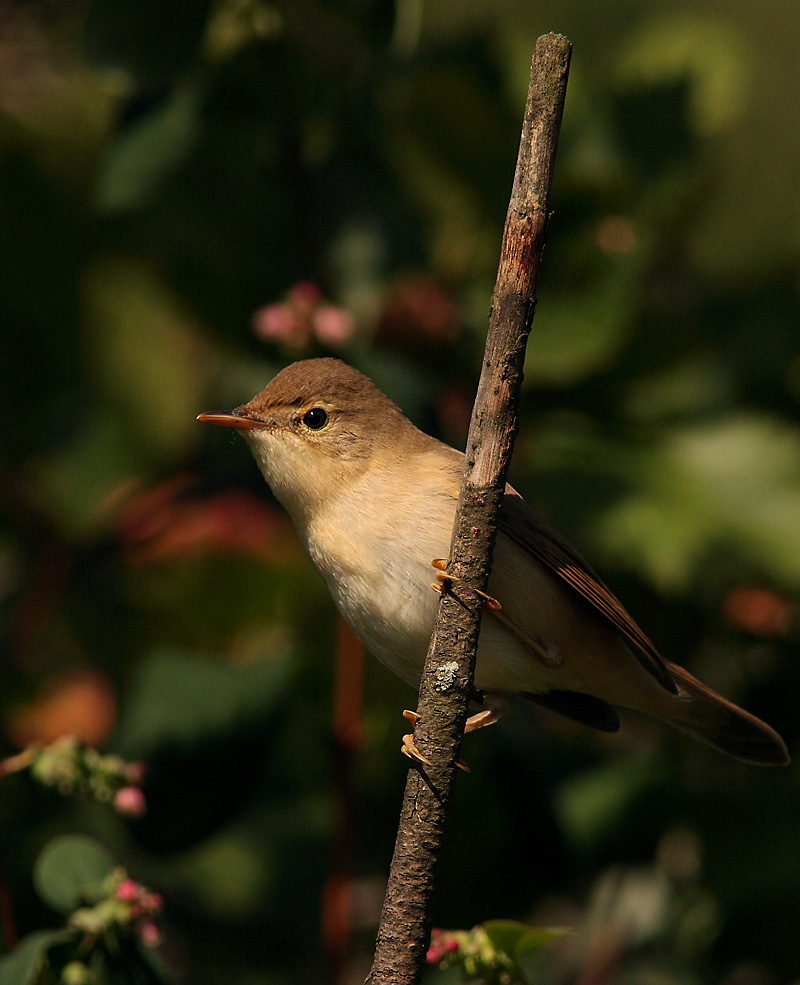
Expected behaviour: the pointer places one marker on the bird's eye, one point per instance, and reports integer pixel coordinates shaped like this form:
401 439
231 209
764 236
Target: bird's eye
315 419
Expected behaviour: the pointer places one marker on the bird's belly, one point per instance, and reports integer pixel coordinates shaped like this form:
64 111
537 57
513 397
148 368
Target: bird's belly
385 595
395 618
392 616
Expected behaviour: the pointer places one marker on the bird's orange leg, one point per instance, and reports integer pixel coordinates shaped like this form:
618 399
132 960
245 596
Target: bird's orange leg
409 747
440 563
493 712
495 707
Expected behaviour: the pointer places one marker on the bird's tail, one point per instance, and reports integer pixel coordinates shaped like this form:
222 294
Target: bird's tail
707 716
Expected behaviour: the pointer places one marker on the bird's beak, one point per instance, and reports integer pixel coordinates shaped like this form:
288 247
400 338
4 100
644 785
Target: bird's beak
230 419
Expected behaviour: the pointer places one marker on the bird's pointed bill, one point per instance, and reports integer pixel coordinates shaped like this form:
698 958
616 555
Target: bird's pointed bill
229 419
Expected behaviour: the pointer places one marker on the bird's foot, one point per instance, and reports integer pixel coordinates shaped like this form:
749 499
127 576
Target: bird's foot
409 747
495 708
440 563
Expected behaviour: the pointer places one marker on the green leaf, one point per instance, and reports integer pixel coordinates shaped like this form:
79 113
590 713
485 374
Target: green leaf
707 51
25 963
590 805
181 698
536 937
147 358
505 934
69 866
229 873
144 155
733 481
516 939
578 334
75 484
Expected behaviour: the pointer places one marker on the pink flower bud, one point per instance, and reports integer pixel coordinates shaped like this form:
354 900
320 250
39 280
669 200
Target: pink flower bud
153 902
128 891
304 296
278 323
135 773
149 933
434 955
130 802
332 325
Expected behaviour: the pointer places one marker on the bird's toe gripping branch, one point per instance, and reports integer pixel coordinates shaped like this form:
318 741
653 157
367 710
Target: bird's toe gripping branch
440 563
409 747
495 706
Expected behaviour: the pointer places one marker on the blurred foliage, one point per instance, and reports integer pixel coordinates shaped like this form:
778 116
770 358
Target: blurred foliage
491 953
194 194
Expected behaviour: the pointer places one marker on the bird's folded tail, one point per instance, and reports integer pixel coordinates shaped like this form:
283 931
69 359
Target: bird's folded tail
707 716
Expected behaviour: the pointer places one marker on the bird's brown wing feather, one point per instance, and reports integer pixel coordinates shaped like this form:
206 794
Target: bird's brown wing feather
519 522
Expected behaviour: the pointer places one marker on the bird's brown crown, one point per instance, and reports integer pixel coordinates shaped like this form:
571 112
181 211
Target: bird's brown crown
327 380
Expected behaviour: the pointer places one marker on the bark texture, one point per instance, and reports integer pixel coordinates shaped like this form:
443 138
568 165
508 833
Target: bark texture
450 665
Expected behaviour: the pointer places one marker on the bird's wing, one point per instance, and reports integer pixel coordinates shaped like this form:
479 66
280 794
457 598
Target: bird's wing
519 522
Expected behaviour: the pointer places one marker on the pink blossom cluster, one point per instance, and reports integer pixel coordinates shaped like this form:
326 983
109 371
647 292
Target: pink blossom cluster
143 907
474 952
442 944
74 768
119 907
304 315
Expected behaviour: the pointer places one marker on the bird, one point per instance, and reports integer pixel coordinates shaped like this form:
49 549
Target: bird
373 500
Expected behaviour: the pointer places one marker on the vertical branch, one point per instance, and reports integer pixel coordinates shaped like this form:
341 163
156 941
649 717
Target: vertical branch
450 665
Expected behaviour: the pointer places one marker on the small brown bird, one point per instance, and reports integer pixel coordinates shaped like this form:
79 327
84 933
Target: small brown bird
373 499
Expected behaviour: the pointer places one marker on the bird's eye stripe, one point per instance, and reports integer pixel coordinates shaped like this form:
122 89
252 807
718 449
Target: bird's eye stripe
315 418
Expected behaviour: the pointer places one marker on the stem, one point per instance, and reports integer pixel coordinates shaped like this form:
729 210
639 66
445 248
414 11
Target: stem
22 760
337 917
447 679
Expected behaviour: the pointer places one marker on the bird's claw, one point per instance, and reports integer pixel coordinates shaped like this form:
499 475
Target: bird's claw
440 563
409 747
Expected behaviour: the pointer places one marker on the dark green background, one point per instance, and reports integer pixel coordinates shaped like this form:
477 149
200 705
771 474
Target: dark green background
169 168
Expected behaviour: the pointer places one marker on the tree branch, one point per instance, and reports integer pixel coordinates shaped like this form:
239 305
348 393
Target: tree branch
450 665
